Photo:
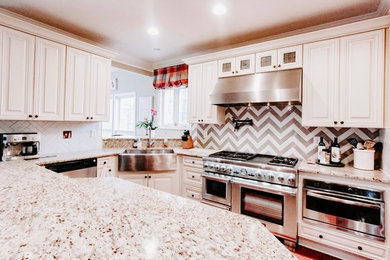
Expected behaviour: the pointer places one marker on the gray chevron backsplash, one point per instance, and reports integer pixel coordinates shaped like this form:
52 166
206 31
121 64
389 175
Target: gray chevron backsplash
276 130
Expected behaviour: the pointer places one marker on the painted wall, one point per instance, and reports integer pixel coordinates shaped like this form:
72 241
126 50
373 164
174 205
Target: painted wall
85 136
276 130
143 86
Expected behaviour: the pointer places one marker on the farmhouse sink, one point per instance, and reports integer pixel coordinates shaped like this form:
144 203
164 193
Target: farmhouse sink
147 160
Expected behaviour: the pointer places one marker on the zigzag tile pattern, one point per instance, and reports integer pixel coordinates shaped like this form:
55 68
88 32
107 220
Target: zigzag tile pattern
51 134
276 130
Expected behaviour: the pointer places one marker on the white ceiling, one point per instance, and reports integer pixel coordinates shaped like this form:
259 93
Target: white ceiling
187 27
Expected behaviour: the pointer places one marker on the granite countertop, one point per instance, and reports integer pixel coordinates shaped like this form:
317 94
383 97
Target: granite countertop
197 152
46 215
347 172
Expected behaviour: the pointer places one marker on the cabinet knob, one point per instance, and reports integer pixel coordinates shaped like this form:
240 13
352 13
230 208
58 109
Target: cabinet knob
192 195
30 116
232 72
193 177
109 170
36 116
335 122
91 117
236 71
104 162
87 117
150 176
320 236
279 66
342 122
274 66
146 176
193 162
360 248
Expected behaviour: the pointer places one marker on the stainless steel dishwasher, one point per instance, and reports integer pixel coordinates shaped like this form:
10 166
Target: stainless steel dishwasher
85 168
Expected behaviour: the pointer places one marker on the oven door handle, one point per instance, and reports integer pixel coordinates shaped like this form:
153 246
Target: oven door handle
216 178
275 188
326 196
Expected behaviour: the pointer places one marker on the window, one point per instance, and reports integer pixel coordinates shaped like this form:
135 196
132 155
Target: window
173 108
122 117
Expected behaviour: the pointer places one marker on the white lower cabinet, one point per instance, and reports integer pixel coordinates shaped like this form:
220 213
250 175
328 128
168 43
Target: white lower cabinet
343 81
191 177
106 166
164 181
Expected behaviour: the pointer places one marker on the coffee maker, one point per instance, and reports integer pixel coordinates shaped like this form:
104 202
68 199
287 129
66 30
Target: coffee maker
18 145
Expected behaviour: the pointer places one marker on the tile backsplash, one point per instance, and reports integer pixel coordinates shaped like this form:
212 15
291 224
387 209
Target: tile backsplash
85 135
276 130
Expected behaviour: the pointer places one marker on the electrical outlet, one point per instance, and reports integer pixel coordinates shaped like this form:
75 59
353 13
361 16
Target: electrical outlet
92 133
316 140
67 134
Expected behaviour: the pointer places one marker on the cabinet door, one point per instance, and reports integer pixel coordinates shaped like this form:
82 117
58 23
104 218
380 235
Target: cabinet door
290 57
141 179
362 79
49 89
211 114
17 74
100 88
77 85
164 181
227 67
195 106
320 83
245 64
266 61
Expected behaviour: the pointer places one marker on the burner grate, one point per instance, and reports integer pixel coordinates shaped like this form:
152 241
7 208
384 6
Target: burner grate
283 161
233 155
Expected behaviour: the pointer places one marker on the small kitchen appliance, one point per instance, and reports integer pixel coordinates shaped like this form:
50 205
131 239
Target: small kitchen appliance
18 145
257 185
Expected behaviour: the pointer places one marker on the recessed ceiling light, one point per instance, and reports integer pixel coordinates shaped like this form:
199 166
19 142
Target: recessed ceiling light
219 9
153 31
156 49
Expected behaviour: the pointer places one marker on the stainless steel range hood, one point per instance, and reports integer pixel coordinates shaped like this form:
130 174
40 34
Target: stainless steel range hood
279 87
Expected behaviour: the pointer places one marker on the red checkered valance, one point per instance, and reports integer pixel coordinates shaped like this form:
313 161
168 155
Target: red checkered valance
171 77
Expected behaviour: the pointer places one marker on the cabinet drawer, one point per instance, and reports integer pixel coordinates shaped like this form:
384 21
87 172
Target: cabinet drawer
104 161
192 176
343 241
193 162
192 192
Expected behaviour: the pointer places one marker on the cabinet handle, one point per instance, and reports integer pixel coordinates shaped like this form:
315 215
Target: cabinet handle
274 66
232 72
192 195
335 122
36 116
360 248
109 170
193 162
342 122
193 177
30 116
91 117
279 66
87 117
320 236
146 176
236 71
104 162
150 176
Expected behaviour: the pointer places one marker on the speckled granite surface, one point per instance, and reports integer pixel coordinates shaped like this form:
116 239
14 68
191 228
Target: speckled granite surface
124 142
197 152
45 215
347 171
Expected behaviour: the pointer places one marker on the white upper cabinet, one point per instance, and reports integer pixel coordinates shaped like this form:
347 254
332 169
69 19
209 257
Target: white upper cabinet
320 83
78 80
354 96
17 74
362 80
201 82
280 59
100 88
237 66
49 89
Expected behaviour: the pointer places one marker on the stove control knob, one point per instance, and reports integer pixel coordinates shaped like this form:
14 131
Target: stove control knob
271 176
229 169
223 168
243 171
210 165
216 167
206 165
259 175
291 180
280 178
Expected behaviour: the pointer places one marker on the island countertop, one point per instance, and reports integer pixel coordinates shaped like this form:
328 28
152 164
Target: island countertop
46 215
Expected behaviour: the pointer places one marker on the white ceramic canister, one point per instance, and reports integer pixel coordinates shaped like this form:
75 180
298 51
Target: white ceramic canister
364 159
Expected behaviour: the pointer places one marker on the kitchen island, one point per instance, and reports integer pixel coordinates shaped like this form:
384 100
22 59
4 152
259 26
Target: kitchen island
43 214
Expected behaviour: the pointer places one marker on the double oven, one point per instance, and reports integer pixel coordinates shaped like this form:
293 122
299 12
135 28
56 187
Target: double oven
255 195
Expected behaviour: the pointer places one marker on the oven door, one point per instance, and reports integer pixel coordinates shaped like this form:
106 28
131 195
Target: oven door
274 205
346 212
216 188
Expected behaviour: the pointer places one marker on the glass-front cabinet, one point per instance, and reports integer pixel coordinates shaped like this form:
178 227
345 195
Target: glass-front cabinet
237 66
279 59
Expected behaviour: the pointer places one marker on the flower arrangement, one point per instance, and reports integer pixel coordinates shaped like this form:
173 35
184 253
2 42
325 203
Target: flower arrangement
148 125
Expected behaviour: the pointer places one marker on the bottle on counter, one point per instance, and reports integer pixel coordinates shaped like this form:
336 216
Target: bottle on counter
320 151
335 152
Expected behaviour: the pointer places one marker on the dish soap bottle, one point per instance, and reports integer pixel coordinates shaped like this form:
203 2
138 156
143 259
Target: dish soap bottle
335 152
321 147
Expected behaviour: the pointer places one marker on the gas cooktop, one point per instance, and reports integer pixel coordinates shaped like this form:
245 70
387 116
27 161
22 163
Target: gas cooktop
256 158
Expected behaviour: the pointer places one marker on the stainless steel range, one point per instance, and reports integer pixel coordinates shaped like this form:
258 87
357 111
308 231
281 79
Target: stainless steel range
257 185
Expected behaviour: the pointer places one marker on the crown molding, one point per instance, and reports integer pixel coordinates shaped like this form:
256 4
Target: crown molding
33 27
307 35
